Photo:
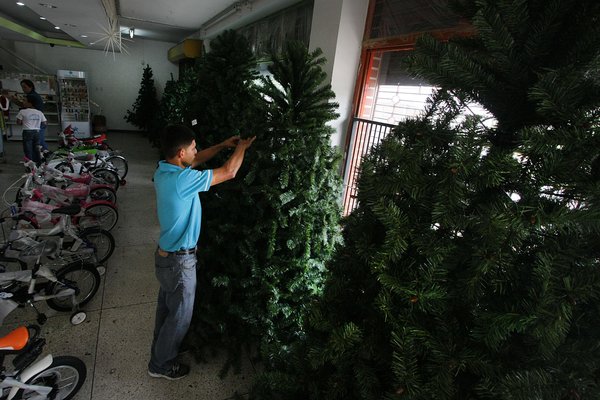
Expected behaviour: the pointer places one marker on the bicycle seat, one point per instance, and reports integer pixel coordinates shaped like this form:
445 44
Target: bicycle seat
84 157
71 209
15 340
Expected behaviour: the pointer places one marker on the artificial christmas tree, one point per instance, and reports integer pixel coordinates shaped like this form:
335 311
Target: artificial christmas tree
145 109
267 234
471 267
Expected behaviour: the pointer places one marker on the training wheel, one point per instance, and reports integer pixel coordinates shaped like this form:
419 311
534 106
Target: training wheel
101 269
78 317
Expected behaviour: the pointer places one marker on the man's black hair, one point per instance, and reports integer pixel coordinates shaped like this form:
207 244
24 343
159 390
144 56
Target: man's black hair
29 83
175 137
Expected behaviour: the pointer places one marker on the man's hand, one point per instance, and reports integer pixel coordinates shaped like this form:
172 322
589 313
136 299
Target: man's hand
231 142
245 143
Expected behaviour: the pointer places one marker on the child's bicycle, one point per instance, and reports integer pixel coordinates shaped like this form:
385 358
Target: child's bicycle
49 378
94 245
64 289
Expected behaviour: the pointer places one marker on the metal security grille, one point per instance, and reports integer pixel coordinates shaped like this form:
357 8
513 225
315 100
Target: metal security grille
366 134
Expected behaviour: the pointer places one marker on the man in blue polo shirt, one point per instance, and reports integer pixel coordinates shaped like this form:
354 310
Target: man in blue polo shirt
177 186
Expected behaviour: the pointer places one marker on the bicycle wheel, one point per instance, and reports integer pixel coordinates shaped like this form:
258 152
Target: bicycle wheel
102 242
104 193
82 277
65 375
102 215
119 163
106 176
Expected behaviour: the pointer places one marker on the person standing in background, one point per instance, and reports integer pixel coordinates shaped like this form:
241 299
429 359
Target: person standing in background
32 120
4 106
36 102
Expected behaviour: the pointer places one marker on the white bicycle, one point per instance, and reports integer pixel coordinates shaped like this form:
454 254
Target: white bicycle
49 378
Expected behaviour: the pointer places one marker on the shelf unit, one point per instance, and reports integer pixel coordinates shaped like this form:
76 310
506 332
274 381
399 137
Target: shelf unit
75 103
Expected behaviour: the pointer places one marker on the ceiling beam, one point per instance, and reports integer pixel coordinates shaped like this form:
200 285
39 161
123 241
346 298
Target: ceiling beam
8 24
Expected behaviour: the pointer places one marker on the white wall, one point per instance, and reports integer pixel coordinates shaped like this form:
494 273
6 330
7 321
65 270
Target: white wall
338 28
113 82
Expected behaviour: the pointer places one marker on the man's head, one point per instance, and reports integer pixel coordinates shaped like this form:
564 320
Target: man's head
27 104
27 86
178 141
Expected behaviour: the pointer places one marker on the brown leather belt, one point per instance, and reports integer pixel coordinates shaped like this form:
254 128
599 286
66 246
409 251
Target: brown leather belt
164 253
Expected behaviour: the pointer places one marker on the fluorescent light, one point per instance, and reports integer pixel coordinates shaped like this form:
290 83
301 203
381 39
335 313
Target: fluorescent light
84 36
19 3
131 32
57 27
43 18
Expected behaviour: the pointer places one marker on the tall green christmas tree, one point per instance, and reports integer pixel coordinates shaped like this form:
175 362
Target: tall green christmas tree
225 102
145 109
267 234
175 104
471 267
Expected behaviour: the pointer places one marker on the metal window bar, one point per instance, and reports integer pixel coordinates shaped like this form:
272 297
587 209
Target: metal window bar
366 134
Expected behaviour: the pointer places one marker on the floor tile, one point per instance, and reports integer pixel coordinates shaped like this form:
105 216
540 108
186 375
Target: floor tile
130 277
123 353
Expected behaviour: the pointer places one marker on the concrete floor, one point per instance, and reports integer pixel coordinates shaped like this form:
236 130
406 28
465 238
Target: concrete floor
114 341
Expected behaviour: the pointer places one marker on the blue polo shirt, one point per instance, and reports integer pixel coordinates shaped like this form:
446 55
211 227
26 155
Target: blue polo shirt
178 204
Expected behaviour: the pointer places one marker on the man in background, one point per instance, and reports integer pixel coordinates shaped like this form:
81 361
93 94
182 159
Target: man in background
32 120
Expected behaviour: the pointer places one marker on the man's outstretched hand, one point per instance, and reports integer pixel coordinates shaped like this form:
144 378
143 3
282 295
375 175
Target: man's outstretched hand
231 142
245 143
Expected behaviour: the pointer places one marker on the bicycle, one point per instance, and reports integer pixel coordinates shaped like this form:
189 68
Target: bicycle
101 213
87 243
62 187
49 378
64 289
100 172
95 145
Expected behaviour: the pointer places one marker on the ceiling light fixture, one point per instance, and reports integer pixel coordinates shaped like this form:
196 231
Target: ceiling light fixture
19 3
57 27
43 18
84 35
131 32
47 5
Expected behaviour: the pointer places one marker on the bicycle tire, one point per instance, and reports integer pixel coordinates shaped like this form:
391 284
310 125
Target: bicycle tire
106 176
74 275
119 163
104 193
66 374
104 215
102 241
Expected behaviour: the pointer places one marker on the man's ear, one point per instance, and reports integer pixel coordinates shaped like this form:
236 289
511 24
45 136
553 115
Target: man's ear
180 152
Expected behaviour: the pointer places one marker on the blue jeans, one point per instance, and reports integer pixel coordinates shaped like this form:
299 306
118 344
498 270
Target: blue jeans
177 277
43 137
31 142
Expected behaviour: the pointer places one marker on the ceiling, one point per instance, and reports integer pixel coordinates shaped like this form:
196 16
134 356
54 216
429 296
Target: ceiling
86 23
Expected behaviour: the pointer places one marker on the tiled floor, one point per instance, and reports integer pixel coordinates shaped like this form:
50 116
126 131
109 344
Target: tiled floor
114 340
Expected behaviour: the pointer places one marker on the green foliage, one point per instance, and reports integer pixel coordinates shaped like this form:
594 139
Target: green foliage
520 47
145 109
175 104
226 102
470 268
267 234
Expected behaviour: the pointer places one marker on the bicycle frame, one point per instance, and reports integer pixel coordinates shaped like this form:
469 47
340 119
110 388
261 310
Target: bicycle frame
61 226
18 383
7 305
